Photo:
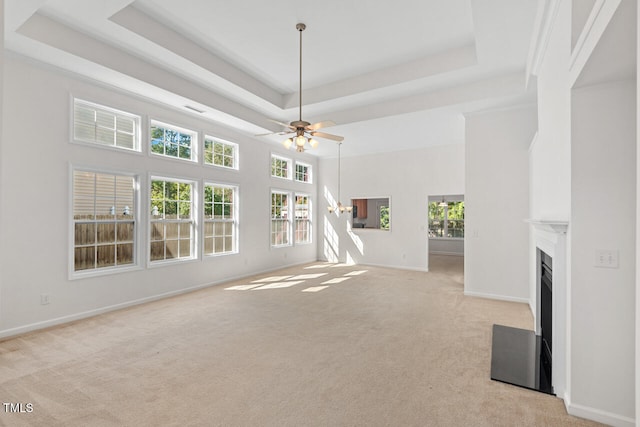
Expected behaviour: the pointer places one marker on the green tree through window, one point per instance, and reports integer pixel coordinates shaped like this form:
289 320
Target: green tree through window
446 221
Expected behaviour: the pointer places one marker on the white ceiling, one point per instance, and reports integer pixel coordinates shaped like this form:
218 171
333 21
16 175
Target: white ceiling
392 75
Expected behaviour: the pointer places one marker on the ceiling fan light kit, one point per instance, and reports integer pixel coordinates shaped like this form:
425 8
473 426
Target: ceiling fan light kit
304 131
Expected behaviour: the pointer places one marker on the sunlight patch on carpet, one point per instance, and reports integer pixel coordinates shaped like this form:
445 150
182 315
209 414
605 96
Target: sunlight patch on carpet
356 273
242 287
336 280
278 285
315 289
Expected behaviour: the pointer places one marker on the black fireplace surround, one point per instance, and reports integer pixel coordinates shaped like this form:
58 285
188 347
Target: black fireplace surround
519 356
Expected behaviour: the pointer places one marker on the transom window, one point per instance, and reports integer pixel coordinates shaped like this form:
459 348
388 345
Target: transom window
172 141
104 220
172 223
280 219
280 167
105 126
219 219
220 153
303 172
302 219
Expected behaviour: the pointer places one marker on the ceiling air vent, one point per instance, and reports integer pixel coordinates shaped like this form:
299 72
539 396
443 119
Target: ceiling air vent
197 110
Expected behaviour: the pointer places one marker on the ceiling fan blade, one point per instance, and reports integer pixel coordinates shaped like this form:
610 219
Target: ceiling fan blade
319 125
273 133
327 136
282 124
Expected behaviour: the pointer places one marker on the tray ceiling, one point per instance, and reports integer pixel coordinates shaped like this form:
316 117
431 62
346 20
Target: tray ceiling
392 75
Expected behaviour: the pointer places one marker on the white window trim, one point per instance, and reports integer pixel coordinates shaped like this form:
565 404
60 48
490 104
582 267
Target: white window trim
194 140
195 223
289 161
236 215
289 218
309 169
310 219
236 151
137 149
105 271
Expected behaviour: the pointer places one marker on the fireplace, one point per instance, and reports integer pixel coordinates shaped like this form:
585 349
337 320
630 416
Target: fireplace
523 357
536 359
546 315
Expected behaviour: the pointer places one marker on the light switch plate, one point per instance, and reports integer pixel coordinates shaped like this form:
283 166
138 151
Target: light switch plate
606 258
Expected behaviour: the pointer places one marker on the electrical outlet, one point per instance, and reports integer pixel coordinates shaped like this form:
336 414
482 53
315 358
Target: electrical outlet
606 258
44 299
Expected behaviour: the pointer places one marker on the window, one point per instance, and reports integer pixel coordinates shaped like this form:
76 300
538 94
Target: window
303 219
303 172
280 167
446 218
172 223
104 220
384 217
280 223
105 126
220 153
219 219
172 141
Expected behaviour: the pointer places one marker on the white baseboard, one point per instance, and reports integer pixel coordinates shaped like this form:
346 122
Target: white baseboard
12 332
446 253
496 297
598 415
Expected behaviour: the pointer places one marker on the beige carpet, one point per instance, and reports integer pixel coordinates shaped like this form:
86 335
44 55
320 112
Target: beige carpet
316 345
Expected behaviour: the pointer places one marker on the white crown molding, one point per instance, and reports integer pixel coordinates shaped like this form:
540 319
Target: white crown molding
545 20
596 25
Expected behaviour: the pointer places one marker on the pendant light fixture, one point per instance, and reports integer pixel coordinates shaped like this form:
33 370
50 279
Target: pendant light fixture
340 207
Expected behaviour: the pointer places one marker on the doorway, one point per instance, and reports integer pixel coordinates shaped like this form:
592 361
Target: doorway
445 223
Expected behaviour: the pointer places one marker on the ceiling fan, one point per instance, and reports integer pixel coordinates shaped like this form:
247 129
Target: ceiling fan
303 130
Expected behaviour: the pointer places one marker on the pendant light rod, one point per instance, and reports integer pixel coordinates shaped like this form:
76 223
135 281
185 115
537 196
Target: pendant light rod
339 145
300 27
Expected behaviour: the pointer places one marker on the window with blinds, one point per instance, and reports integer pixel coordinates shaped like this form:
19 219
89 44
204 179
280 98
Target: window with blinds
105 126
104 220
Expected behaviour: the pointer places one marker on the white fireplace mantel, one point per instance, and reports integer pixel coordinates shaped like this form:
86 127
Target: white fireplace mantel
549 225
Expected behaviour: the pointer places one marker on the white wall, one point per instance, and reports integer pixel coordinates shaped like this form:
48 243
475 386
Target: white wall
1 130
407 178
446 246
603 216
550 162
551 153
583 171
35 207
637 314
497 203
